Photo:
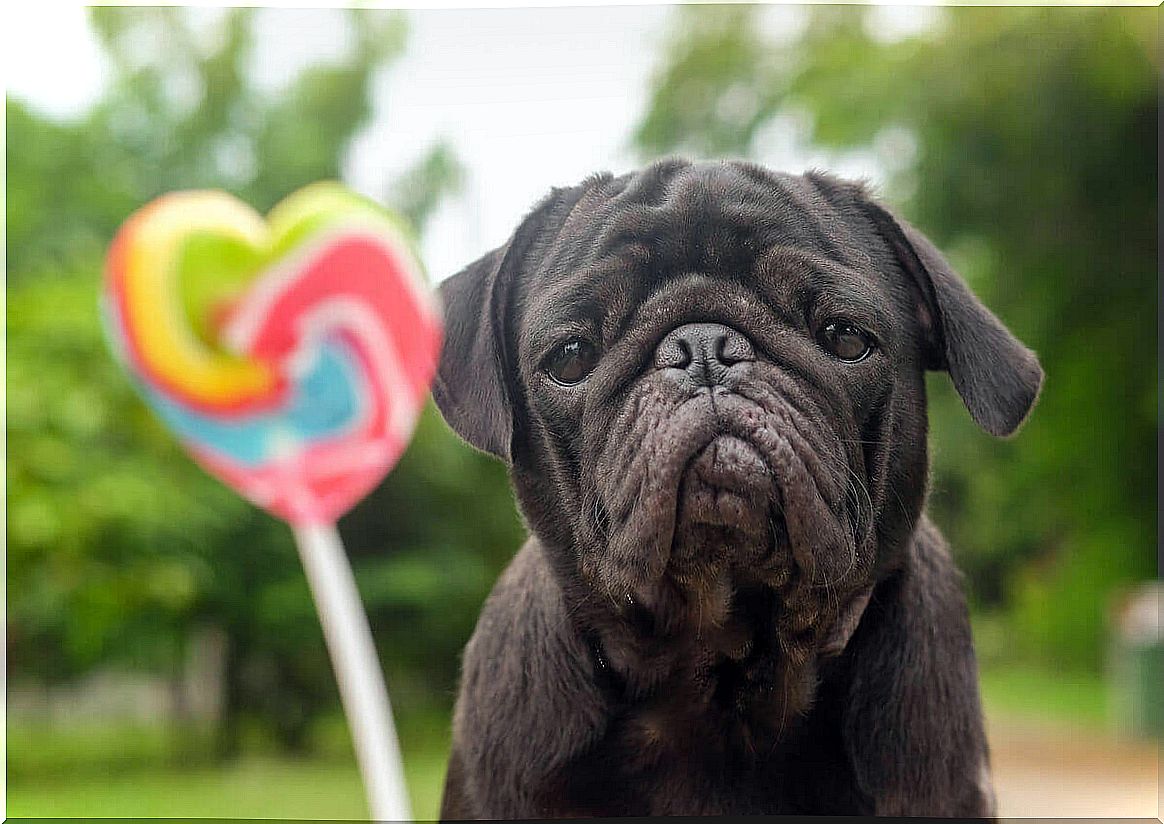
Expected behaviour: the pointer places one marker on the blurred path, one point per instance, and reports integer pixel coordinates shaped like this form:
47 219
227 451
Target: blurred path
1045 771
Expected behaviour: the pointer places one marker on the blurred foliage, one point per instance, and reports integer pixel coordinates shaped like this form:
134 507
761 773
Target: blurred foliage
119 547
1023 141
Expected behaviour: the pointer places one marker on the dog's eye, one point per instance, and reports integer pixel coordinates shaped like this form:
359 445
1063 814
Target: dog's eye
845 341
571 361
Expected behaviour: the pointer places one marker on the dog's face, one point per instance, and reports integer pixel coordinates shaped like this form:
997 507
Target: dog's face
708 382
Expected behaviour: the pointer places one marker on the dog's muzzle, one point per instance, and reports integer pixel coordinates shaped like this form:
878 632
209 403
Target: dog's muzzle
727 484
726 488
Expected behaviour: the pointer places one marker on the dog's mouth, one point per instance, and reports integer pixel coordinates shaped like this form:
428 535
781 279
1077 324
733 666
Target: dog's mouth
700 496
725 483
727 510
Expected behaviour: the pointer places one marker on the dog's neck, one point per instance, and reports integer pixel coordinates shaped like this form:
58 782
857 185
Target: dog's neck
745 669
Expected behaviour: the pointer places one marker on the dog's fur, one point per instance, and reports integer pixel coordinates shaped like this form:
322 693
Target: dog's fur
730 601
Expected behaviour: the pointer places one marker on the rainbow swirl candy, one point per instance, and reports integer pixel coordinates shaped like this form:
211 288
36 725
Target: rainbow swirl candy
292 355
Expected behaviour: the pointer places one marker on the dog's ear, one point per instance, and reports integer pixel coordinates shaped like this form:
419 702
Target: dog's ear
473 386
997 377
469 388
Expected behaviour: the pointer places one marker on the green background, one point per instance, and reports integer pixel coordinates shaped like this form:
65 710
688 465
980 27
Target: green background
1022 140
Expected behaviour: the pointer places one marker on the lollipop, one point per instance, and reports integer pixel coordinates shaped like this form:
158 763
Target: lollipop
291 356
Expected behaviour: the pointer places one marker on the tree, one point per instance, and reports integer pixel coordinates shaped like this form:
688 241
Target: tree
1023 141
118 545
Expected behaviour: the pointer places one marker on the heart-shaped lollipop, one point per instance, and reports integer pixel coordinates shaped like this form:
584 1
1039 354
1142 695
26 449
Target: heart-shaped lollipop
291 356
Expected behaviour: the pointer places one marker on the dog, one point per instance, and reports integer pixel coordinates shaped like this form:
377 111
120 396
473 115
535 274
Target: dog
707 380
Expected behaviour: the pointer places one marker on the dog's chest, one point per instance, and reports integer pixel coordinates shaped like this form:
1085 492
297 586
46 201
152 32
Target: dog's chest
665 759
722 739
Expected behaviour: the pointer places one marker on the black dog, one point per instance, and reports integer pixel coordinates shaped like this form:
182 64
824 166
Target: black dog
707 380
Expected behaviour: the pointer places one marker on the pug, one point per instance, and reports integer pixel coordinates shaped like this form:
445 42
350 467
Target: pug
707 381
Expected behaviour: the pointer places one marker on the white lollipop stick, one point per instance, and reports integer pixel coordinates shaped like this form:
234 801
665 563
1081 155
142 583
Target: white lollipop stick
357 669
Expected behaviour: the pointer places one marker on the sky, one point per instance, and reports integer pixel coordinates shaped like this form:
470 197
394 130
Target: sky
528 98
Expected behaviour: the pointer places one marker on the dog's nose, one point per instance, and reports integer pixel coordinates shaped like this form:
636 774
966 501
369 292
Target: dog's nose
704 351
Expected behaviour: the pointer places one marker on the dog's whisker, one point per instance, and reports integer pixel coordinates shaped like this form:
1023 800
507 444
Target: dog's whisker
783 705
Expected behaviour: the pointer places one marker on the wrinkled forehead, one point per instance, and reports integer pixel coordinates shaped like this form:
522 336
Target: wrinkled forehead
628 236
